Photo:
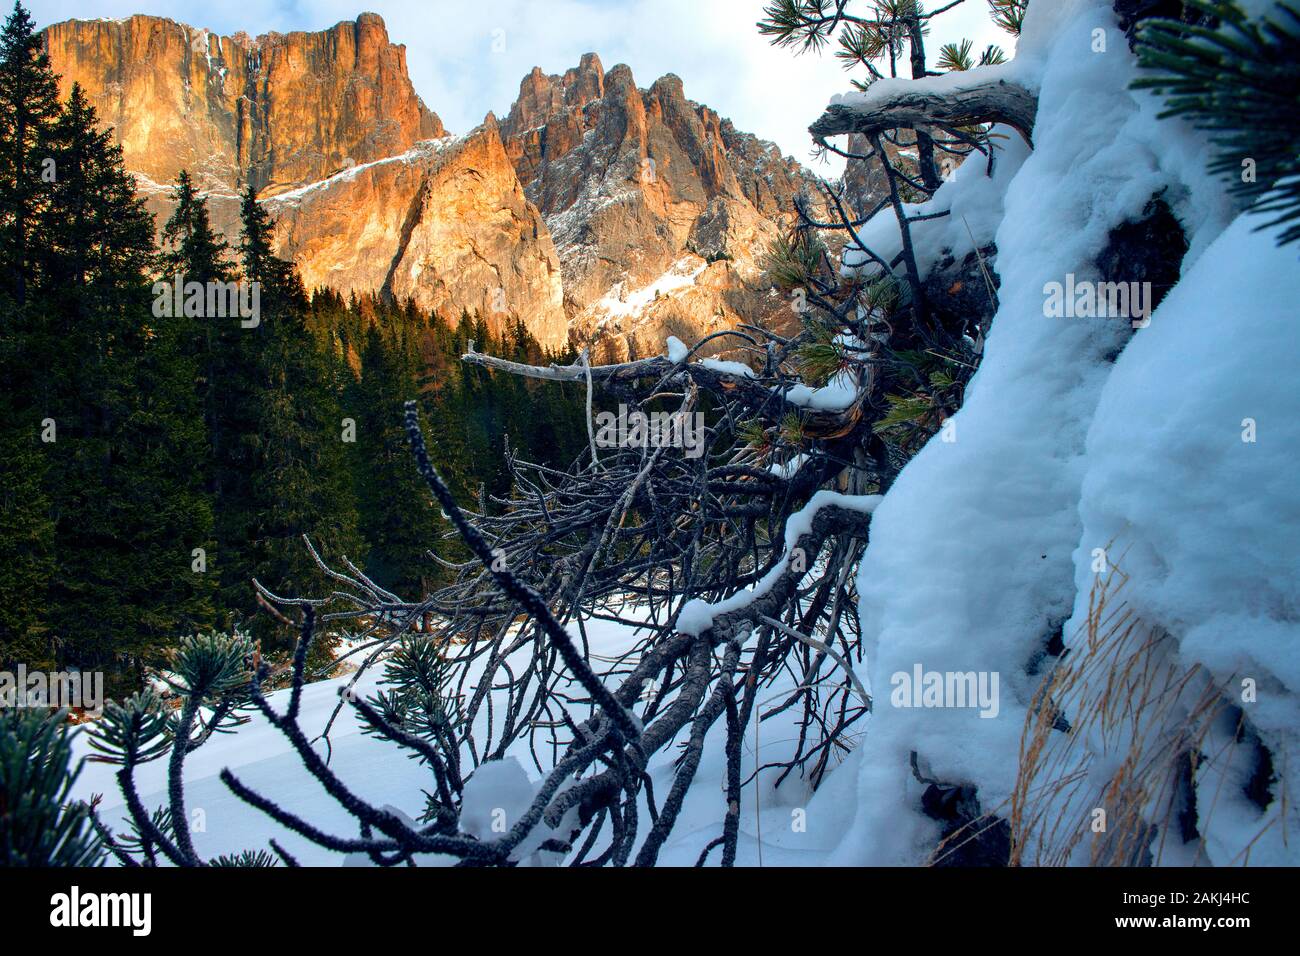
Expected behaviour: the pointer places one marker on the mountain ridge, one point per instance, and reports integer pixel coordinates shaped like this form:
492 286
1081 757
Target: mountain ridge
589 193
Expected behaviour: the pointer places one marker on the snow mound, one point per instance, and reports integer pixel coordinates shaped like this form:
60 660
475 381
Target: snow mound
983 547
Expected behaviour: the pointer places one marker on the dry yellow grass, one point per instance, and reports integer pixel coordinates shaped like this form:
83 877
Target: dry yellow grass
1143 727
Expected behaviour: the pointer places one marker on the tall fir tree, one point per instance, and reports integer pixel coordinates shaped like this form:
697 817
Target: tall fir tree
190 246
398 517
26 529
296 479
192 251
28 109
131 519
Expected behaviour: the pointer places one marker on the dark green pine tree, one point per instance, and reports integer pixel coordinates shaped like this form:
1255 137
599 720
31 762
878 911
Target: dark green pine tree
189 244
26 529
445 407
398 519
131 518
193 252
294 461
40 824
478 405
29 106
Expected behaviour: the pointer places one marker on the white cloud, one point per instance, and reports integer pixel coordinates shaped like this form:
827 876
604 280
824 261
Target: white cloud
468 59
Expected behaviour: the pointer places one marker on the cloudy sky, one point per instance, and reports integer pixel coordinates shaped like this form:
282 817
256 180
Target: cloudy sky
467 58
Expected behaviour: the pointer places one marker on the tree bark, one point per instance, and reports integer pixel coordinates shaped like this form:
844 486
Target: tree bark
917 104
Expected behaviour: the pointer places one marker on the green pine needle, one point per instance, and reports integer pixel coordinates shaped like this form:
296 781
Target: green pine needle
1241 83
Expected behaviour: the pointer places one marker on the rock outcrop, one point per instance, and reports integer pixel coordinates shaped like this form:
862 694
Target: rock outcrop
661 210
596 211
276 111
446 225
369 193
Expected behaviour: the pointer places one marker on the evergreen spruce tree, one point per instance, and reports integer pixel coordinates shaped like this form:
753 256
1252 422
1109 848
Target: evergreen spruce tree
118 381
26 533
398 519
193 252
294 476
443 399
29 106
190 247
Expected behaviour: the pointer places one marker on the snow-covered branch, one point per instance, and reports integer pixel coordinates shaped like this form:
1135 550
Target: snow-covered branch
953 100
830 412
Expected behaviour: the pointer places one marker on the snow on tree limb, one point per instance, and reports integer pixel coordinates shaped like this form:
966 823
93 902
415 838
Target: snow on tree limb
934 101
731 380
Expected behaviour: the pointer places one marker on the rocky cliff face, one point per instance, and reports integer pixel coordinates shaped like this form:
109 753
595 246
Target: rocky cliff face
276 112
595 211
446 224
369 192
660 209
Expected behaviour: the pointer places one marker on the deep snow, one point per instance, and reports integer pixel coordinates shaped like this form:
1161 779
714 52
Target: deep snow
1076 434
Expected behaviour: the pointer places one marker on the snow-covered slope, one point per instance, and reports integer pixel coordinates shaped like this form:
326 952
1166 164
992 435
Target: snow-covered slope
985 544
1087 452
1190 462
262 758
